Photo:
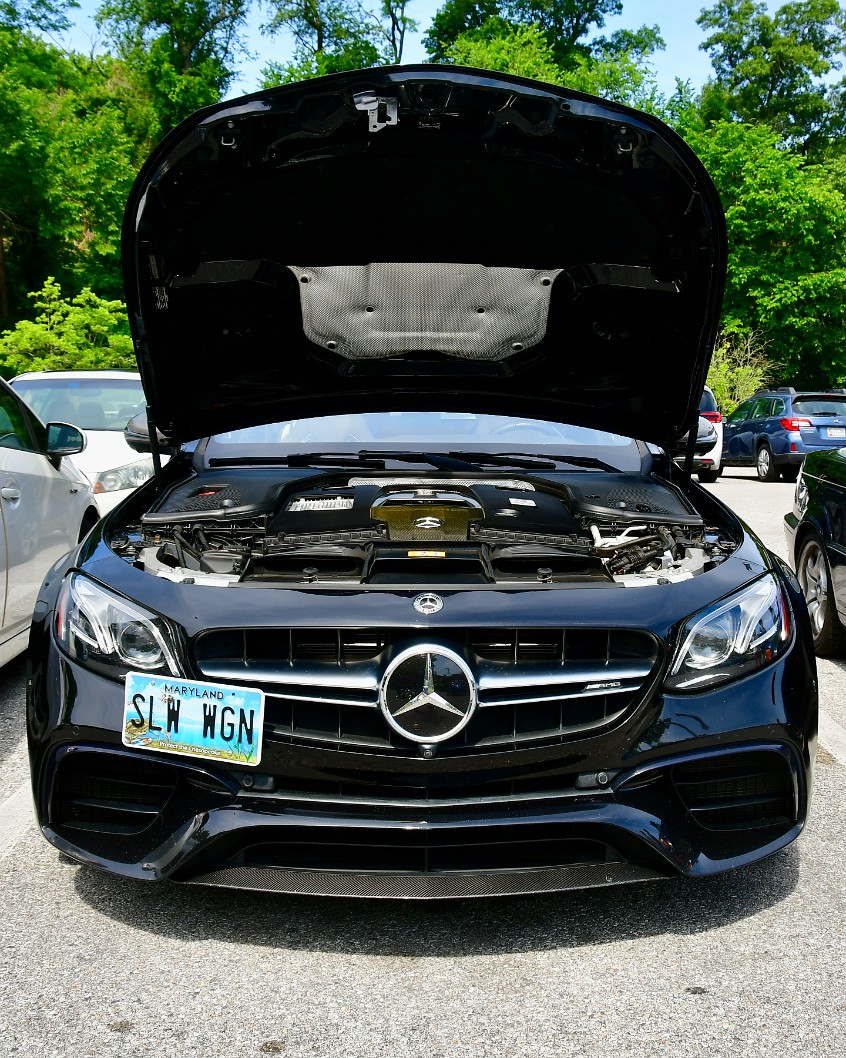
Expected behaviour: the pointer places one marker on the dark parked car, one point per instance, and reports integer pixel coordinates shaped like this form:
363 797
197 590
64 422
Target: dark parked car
774 430
411 621
816 536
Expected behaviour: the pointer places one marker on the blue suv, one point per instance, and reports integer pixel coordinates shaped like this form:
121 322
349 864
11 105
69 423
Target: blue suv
774 430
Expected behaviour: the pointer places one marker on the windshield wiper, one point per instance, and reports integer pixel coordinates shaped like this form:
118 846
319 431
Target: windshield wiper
529 462
364 459
376 459
303 459
458 461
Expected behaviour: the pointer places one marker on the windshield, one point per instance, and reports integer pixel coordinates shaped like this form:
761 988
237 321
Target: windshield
819 406
707 403
89 403
424 431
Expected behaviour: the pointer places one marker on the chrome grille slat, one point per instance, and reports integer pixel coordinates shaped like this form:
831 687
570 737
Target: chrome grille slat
534 685
491 678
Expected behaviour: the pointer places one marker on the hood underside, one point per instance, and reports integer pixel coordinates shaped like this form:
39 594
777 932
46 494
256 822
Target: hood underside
417 238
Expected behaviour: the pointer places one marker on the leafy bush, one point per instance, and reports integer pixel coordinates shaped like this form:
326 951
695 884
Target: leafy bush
83 333
738 368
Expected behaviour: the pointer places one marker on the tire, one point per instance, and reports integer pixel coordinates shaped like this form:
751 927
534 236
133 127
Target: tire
708 477
764 464
814 575
790 472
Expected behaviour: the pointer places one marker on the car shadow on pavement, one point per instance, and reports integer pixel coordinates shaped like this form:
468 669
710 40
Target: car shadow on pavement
12 718
441 928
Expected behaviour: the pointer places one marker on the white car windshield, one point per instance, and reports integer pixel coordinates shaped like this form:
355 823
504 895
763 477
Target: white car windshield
89 403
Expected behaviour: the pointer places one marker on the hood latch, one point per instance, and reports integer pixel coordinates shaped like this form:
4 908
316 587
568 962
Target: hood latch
381 110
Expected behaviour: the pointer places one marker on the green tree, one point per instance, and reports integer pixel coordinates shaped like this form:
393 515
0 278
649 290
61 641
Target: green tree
334 35
526 52
72 147
497 45
84 332
566 24
180 53
776 68
787 237
395 23
48 16
455 18
739 367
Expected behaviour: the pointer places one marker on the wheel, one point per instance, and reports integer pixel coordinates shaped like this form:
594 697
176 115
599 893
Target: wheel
814 574
708 477
767 470
790 472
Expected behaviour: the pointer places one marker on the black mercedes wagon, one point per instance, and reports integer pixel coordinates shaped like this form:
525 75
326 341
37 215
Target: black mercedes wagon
421 606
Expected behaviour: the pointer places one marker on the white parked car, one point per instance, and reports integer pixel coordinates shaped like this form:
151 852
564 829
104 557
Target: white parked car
708 467
46 508
100 403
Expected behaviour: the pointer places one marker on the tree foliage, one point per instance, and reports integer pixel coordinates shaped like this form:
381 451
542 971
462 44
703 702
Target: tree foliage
776 68
526 52
84 332
739 367
67 165
181 51
770 125
787 265
566 24
49 16
334 35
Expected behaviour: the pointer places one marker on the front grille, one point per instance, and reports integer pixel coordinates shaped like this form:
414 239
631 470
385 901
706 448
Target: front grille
374 852
534 685
102 794
743 791
466 848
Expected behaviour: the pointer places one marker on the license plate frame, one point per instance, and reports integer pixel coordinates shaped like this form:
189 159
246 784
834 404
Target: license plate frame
190 718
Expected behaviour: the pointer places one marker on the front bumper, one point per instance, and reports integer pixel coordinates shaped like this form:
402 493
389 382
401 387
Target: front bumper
690 786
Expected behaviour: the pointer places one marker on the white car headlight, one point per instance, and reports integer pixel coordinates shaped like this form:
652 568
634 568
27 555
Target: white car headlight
105 632
737 636
128 477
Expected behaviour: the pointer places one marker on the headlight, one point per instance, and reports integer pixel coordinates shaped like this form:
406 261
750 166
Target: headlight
128 477
732 639
105 632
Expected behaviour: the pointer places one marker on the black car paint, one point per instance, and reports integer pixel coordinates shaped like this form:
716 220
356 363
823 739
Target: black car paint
73 711
628 350
823 515
255 185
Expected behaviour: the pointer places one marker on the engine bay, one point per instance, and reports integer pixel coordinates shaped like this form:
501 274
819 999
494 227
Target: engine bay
408 529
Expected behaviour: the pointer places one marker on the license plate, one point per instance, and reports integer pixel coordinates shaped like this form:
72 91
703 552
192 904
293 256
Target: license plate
836 431
205 720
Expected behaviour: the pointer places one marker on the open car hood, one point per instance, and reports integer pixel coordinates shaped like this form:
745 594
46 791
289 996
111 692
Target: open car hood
424 237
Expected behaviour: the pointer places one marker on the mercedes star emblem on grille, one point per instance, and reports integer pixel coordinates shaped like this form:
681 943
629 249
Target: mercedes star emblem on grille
428 523
428 693
428 603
